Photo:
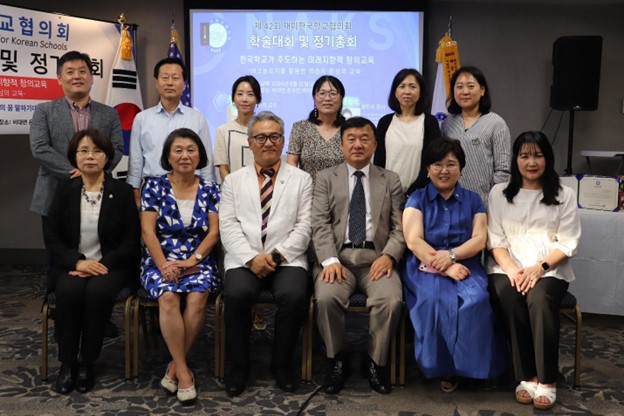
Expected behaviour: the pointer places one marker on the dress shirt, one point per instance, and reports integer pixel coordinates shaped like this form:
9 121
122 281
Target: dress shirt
149 132
80 116
369 219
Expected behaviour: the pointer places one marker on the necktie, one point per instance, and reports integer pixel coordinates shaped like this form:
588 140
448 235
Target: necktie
266 193
357 211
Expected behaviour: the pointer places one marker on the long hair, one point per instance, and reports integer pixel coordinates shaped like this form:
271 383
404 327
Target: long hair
549 180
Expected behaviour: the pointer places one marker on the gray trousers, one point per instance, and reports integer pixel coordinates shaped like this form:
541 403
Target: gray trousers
384 300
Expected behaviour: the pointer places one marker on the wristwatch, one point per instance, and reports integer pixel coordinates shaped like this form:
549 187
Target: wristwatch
453 256
277 257
545 266
198 257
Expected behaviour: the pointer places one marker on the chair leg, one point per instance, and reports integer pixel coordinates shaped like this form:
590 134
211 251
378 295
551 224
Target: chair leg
218 330
308 335
577 354
127 337
135 334
222 342
402 350
44 341
146 334
393 359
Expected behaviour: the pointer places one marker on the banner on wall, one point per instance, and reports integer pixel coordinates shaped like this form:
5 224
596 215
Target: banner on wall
31 42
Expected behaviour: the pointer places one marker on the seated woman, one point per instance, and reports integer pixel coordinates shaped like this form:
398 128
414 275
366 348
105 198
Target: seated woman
93 236
445 284
180 228
534 228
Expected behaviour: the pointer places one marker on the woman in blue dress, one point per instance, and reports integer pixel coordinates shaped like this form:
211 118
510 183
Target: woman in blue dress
180 228
445 284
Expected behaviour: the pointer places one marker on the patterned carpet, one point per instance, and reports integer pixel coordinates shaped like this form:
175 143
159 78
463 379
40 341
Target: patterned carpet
23 393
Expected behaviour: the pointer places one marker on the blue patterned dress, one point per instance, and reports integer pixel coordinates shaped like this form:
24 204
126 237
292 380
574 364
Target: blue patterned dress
454 328
177 241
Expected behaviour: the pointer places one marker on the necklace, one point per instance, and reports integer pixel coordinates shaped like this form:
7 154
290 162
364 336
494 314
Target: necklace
95 200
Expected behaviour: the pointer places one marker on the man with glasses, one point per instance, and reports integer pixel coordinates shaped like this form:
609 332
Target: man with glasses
53 125
358 239
152 126
264 220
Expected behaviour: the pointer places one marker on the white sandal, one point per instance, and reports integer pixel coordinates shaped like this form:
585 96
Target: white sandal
530 387
550 393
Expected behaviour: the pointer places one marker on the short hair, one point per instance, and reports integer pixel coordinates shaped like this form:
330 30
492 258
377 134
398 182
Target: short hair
99 139
442 146
263 116
255 86
183 133
73 56
549 180
357 122
169 60
334 82
393 102
485 103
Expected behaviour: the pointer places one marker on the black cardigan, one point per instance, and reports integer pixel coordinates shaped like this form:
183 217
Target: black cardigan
118 229
432 132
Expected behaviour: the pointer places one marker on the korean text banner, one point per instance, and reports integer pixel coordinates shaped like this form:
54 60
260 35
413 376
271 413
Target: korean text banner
30 44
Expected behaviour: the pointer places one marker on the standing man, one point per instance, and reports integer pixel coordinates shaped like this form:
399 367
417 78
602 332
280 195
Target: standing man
54 123
264 221
358 238
152 126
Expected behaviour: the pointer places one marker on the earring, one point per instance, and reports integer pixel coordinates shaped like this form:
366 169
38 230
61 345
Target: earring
315 112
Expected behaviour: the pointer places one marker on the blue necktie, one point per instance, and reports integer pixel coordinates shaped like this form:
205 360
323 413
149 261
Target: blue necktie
357 211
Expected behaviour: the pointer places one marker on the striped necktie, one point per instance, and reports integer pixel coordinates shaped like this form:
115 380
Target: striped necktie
266 193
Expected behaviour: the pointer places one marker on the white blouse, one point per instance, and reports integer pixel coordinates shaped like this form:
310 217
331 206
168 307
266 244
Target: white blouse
89 243
529 230
404 145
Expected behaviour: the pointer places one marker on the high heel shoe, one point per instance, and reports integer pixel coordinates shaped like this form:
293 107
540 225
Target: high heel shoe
188 395
169 385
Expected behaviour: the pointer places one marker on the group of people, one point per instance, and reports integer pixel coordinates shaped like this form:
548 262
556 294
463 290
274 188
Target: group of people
471 234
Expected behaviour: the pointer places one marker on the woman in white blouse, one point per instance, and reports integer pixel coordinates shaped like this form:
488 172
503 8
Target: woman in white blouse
533 230
93 234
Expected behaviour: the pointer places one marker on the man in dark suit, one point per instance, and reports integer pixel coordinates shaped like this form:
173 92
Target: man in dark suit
358 239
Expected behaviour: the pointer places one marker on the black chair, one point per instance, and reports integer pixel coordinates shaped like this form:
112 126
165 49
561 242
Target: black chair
357 304
572 311
265 300
123 299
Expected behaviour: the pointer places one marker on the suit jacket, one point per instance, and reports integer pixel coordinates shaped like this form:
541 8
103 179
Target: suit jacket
50 132
118 229
240 218
330 211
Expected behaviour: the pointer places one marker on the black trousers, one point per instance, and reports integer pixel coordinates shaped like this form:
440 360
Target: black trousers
83 308
533 324
240 290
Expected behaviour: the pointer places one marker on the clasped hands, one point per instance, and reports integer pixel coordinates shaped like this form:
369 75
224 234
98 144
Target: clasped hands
262 265
336 272
172 270
441 260
88 268
525 278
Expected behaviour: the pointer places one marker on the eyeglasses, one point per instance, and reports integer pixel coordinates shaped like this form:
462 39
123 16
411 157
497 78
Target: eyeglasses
95 153
331 94
438 167
262 138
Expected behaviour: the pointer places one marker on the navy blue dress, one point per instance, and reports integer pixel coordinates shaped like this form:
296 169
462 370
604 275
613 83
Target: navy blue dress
455 331
177 241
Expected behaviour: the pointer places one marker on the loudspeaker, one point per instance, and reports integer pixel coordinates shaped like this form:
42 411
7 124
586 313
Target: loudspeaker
576 73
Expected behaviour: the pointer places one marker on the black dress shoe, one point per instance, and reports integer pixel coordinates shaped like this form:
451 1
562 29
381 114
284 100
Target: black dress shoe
285 380
236 381
336 377
86 377
378 378
65 380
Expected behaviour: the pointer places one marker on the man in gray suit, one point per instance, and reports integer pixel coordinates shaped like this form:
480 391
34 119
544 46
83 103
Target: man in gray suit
358 239
55 122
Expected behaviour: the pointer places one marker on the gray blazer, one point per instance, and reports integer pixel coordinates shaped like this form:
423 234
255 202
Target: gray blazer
330 211
50 132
